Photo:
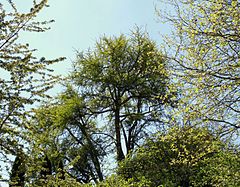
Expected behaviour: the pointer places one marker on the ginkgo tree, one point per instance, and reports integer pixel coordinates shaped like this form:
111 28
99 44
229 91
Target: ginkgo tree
205 52
24 78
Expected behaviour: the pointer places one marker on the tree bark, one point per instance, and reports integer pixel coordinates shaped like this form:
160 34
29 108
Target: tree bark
93 153
120 155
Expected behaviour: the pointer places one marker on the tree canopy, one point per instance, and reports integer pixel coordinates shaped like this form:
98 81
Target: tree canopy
184 156
126 81
65 134
205 53
24 79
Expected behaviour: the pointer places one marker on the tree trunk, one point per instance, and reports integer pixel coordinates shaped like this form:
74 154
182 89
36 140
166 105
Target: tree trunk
93 153
120 155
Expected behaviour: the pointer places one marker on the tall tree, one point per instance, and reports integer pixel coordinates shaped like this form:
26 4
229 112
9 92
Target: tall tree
125 81
23 78
206 57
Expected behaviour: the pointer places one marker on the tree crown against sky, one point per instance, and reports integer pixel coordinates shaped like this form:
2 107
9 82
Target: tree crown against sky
111 95
126 80
205 57
24 79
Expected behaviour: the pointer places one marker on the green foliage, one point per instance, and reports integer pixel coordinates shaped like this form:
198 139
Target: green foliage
221 170
116 96
183 157
124 86
24 79
118 181
206 59
124 80
18 172
65 133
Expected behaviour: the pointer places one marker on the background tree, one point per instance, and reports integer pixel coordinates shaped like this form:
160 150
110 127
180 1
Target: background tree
67 134
18 171
184 156
124 80
205 56
24 79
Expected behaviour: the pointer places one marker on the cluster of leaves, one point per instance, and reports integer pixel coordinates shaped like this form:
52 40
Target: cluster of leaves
24 79
64 134
125 81
205 53
183 157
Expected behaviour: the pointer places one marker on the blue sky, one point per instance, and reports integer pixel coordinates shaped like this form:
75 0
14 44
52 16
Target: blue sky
79 23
